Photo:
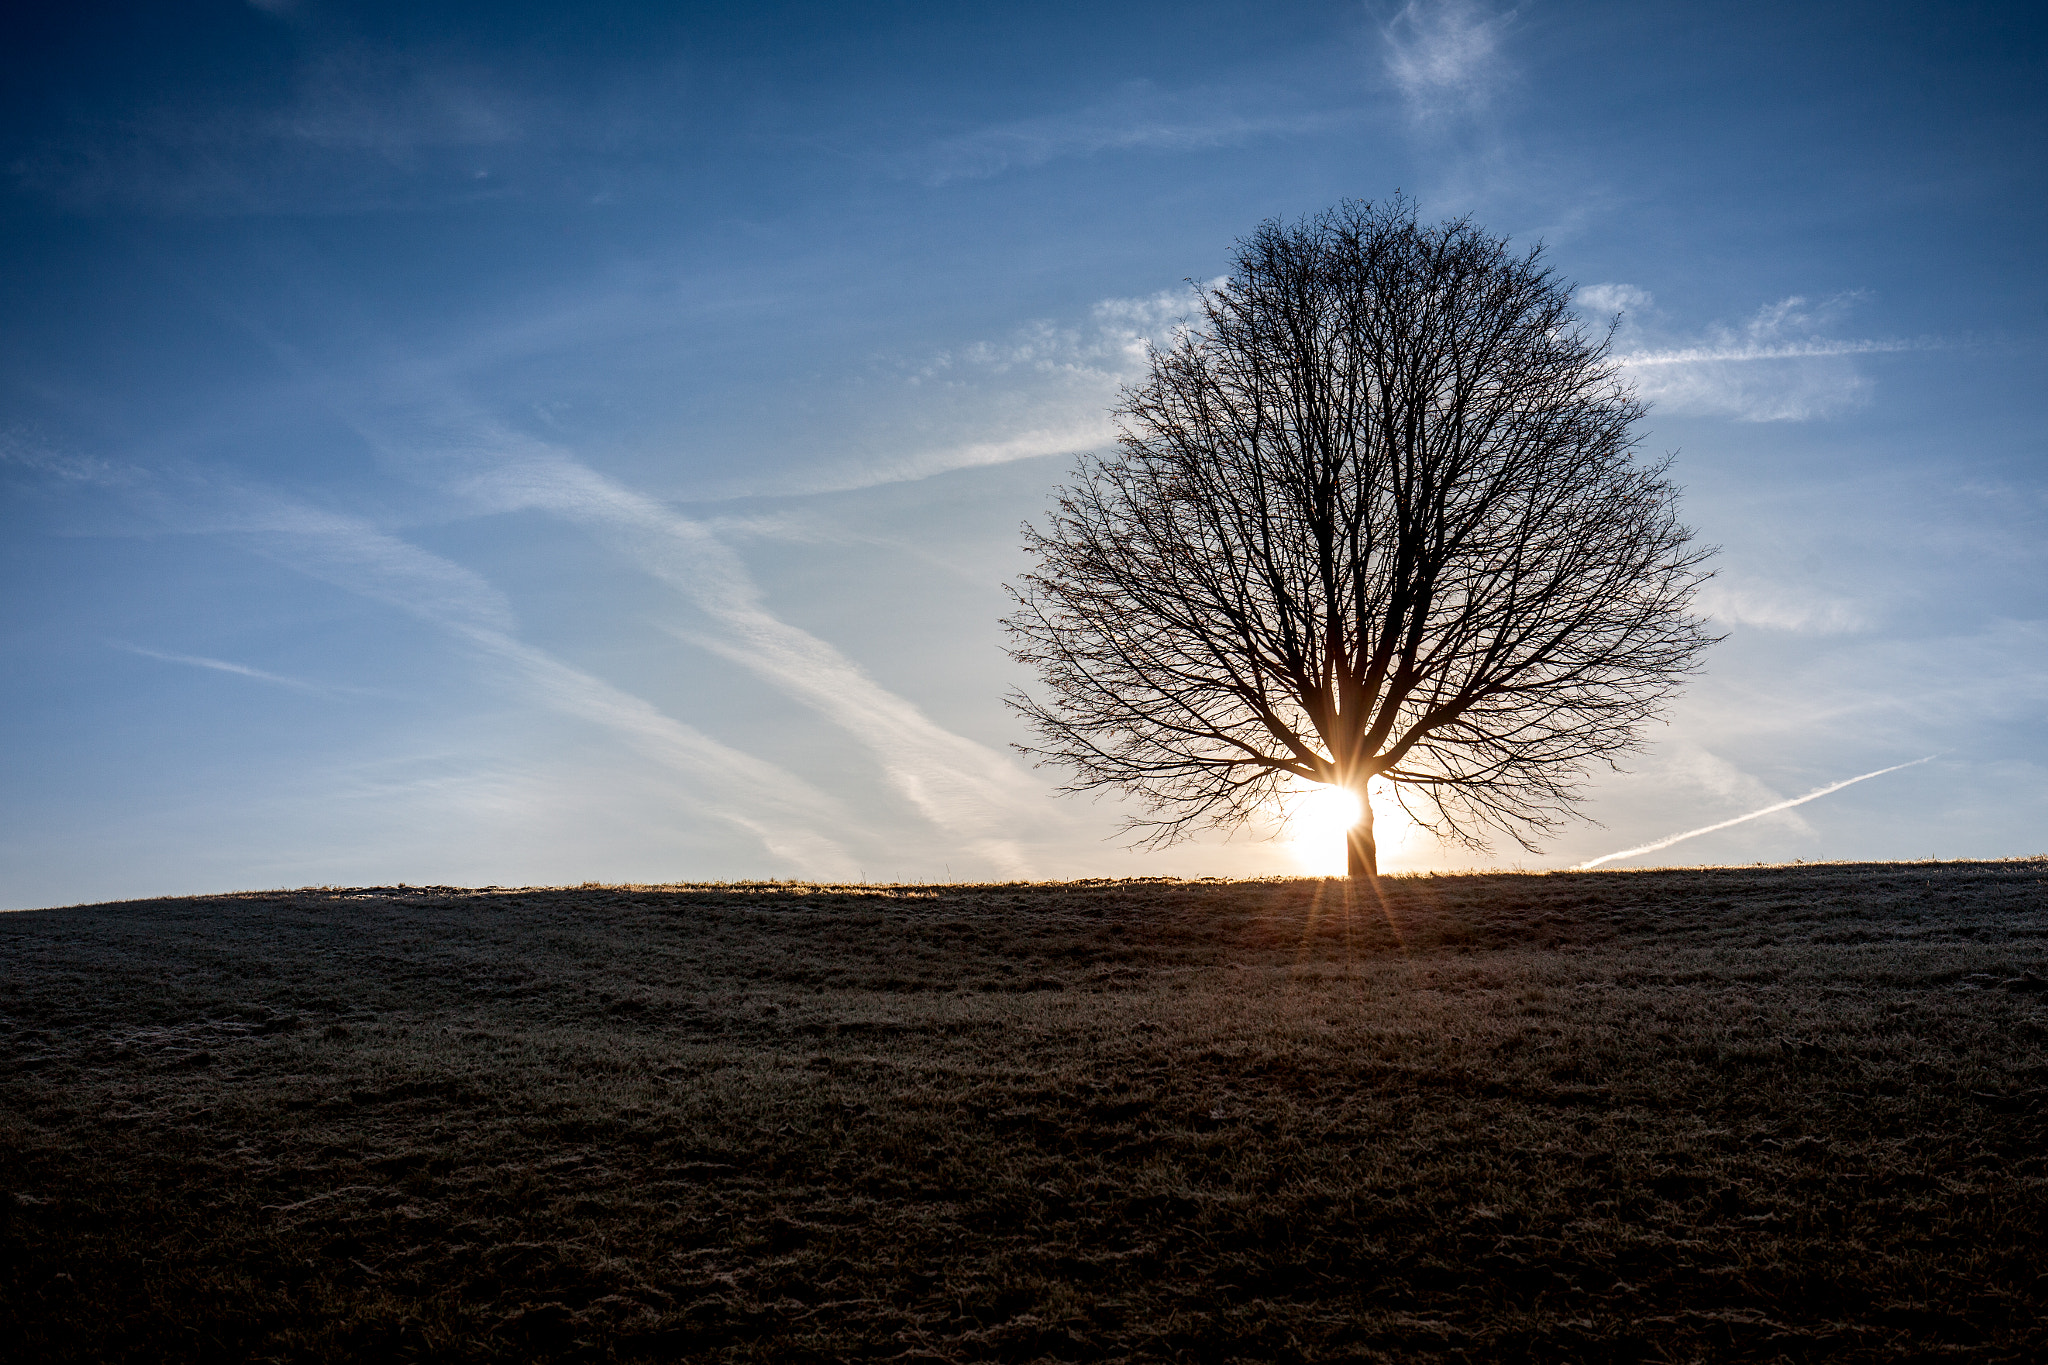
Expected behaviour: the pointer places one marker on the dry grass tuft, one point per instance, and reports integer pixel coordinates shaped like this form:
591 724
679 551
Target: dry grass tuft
1679 1115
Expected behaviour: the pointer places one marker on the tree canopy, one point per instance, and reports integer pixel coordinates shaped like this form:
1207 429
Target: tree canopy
1375 513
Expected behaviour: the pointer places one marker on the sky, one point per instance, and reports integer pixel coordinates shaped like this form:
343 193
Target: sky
506 444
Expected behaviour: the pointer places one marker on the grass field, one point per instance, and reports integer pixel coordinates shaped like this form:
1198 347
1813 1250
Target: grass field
1783 1113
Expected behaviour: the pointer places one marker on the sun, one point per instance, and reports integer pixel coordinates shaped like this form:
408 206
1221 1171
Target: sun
1329 810
1317 817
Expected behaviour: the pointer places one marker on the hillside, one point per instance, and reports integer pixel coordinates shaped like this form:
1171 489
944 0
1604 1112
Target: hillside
1699 1114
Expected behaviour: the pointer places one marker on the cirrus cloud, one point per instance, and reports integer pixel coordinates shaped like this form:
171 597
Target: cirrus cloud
1781 364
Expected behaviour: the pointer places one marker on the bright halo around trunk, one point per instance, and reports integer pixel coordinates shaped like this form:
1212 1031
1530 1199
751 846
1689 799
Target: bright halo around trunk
1317 818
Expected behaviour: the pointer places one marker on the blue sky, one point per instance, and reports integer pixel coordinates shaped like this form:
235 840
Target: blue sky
494 444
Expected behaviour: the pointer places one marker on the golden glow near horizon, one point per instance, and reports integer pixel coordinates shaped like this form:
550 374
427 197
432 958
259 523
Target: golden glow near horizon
1319 814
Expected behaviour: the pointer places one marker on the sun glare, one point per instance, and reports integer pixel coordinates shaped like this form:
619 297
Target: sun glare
1317 819
1318 816
1332 810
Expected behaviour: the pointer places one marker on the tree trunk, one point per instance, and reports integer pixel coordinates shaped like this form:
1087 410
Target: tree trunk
1363 858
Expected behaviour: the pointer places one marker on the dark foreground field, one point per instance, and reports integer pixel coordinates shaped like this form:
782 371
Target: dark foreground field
1738 1113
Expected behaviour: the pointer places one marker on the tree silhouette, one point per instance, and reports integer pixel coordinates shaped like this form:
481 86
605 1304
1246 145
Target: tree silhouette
1375 513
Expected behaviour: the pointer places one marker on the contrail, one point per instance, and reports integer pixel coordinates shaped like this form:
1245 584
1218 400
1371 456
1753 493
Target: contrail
1813 795
222 666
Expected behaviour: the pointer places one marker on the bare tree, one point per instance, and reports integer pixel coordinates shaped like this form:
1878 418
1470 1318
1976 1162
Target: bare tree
1375 514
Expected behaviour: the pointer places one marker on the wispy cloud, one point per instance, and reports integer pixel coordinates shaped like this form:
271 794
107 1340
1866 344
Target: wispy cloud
1780 364
1064 434
351 553
974 793
1139 117
358 128
1445 57
1469 107
1779 607
1794 350
24 451
1109 347
785 813
239 670
1696 772
781 810
960 786
1045 389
